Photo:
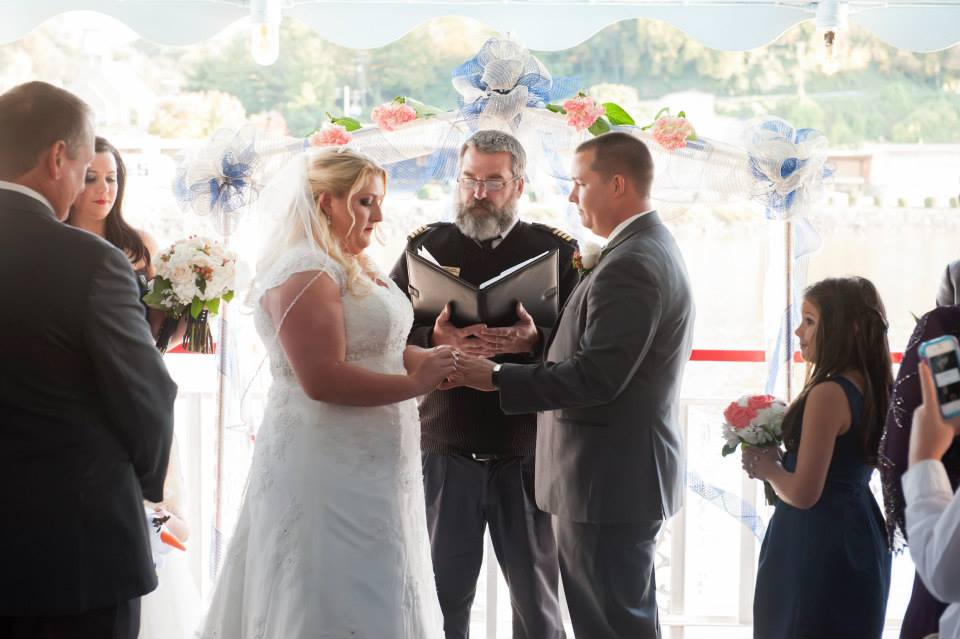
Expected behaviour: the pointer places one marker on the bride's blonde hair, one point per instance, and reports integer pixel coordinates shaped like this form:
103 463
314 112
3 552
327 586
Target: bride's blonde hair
341 172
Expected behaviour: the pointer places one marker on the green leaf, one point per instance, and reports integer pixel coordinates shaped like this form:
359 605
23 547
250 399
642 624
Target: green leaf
556 108
423 110
617 115
195 307
228 296
661 112
348 123
154 298
213 306
728 449
682 114
599 127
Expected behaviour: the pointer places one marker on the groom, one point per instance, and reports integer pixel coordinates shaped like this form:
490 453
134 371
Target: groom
610 464
86 405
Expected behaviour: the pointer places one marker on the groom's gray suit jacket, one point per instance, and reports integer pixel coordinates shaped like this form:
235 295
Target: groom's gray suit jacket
609 449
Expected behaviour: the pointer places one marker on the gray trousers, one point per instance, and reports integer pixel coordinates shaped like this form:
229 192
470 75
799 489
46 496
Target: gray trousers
608 578
464 496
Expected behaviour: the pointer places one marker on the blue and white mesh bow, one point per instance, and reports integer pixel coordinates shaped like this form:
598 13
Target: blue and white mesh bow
789 166
503 79
220 179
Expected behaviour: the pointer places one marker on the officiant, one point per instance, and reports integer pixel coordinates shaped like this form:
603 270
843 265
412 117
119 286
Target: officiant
478 462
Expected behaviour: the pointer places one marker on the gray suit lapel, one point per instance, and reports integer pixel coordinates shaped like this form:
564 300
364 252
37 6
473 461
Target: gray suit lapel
649 220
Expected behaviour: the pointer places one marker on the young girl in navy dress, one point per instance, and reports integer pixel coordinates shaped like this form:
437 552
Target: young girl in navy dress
825 563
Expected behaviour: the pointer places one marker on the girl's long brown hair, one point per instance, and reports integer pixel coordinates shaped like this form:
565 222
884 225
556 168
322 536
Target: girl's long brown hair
116 230
851 334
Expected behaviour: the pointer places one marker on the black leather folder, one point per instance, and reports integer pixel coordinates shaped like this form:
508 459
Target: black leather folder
494 303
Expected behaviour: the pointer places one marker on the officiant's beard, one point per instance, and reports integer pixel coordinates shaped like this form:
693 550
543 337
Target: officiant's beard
481 220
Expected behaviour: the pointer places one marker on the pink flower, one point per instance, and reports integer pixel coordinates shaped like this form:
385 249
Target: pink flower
390 115
759 402
739 416
672 132
582 112
331 135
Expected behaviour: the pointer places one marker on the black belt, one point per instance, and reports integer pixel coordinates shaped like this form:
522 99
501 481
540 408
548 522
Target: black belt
488 457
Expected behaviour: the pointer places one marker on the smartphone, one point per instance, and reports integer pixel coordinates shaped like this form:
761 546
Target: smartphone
943 357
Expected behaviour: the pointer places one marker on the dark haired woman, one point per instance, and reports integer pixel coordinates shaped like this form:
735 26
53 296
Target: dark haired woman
825 562
99 209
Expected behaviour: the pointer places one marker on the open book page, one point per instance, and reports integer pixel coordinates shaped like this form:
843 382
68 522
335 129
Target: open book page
515 267
427 255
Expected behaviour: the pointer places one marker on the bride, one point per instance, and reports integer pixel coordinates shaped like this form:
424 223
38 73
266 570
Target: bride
331 540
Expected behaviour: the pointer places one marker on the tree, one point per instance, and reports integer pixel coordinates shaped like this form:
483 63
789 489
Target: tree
197 115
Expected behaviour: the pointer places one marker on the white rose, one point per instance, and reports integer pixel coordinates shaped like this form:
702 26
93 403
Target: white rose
730 435
180 274
185 292
589 255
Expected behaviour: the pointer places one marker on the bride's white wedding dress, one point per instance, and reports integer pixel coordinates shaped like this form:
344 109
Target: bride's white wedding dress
331 541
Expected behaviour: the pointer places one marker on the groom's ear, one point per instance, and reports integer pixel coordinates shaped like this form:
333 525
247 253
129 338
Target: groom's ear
619 185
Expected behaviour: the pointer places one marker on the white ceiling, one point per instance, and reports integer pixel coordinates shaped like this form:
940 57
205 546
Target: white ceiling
538 24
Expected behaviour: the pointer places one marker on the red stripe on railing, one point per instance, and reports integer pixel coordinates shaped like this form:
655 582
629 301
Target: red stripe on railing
178 350
712 355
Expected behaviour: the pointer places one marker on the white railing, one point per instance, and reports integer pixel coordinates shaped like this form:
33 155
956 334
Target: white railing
694 571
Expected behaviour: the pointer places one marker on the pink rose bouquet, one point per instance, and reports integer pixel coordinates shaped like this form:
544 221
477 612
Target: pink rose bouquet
582 111
390 115
754 420
331 135
671 132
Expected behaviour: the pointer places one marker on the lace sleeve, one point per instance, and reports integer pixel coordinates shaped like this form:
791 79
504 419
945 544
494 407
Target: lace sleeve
298 260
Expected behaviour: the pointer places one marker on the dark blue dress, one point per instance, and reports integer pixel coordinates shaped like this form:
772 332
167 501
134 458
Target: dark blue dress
825 572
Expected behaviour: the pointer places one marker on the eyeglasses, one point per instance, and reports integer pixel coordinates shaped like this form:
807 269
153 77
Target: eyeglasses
491 186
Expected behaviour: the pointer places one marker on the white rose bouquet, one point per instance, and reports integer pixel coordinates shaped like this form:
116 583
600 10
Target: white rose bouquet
193 276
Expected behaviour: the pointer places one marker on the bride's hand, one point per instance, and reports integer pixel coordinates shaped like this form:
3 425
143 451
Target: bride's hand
435 365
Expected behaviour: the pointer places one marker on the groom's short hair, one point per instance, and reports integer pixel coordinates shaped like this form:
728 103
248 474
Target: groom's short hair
618 153
33 116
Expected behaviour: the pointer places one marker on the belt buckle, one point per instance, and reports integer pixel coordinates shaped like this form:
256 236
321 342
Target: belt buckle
482 457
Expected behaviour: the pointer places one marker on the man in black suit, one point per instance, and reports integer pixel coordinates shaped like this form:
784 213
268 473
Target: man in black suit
86 405
478 462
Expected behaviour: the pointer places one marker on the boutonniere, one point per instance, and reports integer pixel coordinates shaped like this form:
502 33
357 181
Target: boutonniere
586 260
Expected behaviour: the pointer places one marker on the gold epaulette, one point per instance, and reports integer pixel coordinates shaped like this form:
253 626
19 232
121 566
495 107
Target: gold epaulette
563 235
420 231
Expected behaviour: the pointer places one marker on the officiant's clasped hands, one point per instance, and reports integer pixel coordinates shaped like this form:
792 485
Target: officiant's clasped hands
482 341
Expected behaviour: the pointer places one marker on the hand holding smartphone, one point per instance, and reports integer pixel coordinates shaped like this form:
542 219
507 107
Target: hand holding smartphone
942 355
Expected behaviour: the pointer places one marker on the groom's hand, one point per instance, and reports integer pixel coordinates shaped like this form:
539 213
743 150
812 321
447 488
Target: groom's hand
522 337
476 372
464 339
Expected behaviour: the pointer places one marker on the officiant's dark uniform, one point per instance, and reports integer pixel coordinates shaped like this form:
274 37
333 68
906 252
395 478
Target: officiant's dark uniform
478 462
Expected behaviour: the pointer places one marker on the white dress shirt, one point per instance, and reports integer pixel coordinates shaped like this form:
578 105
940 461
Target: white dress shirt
26 190
933 533
622 225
